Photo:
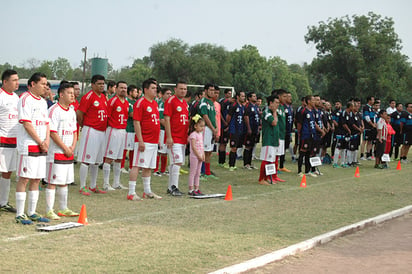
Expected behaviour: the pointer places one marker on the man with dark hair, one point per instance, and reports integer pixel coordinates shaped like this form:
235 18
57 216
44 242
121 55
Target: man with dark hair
117 112
320 131
392 107
298 125
252 122
406 130
369 135
381 136
147 127
194 106
336 116
285 116
9 125
224 129
236 124
396 118
176 115
111 90
208 113
92 116
32 144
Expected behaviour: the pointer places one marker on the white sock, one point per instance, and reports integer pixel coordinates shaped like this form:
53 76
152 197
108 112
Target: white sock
106 174
93 175
20 201
254 151
355 156
344 156
336 157
175 173
32 202
4 191
116 173
132 187
50 197
146 185
62 193
84 169
170 180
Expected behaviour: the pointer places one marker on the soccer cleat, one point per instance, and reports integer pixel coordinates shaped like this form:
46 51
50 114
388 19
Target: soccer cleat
151 196
8 208
277 179
166 173
202 178
22 219
51 215
125 171
404 161
120 186
379 166
363 158
97 190
175 191
108 188
199 193
84 191
157 173
311 174
336 166
38 218
344 165
211 176
182 171
300 174
133 197
67 213
232 168
317 172
264 182
284 169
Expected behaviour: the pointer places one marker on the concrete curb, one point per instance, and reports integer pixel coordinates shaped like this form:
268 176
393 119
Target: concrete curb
311 243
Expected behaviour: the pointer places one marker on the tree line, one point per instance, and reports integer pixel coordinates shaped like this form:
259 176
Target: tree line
357 56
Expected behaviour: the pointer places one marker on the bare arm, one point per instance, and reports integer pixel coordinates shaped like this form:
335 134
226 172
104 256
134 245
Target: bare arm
168 131
138 131
80 116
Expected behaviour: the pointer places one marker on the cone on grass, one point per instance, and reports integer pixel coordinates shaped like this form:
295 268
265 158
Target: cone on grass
357 174
228 196
303 182
398 167
83 216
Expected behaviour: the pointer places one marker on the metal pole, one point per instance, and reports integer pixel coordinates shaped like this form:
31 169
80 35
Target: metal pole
84 68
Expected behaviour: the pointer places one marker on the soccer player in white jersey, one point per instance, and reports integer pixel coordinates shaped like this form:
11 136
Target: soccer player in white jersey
32 145
92 116
8 132
60 170
117 111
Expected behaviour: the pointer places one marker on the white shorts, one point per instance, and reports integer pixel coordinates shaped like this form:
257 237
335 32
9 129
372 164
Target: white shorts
129 144
115 140
177 154
208 139
8 159
162 145
31 167
92 146
59 174
268 153
147 158
281 147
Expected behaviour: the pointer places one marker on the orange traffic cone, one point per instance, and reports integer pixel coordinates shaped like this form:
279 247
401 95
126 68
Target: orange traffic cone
357 174
229 193
83 216
398 167
303 182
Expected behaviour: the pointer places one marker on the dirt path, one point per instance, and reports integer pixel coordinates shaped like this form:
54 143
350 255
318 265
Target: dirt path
386 248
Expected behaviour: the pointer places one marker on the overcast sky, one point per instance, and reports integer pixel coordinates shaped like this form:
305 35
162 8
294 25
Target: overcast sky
123 30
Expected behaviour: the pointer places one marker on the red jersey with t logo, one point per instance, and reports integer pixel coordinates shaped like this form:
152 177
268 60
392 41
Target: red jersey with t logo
118 113
94 108
178 111
147 113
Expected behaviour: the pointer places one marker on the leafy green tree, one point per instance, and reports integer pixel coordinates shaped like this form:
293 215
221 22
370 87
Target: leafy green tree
46 67
358 56
62 69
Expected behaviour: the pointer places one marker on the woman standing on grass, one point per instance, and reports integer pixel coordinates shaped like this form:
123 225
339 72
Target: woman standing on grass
197 154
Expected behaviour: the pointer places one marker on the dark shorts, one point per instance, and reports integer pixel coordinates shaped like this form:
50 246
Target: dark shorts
342 142
327 139
316 144
251 140
354 142
407 139
224 138
397 139
380 148
237 140
369 134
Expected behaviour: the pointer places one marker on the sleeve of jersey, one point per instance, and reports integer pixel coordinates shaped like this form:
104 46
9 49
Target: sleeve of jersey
137 113
24 112
267 116
84 104
231 110
203 108
167 108
53 122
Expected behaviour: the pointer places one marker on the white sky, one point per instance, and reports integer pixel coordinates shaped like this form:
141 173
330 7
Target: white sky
123 30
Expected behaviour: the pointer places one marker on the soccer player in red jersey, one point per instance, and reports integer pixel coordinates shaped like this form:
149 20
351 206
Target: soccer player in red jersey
92 116
118 111
147 127
176 114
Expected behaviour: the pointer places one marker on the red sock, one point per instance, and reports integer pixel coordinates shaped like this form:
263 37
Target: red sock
124 159
131 154
262 174
163 163
157 164
277 167
207 169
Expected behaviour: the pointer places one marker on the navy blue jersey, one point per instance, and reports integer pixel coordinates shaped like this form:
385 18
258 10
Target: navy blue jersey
336 115
396 118
252 111
236 123
224 108
367 111
308 130
298 115
289 118
406 120
347 119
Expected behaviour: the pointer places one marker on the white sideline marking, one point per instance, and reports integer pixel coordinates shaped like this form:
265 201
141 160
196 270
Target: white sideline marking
311 243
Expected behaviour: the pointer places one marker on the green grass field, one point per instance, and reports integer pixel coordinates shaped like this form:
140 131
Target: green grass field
183 235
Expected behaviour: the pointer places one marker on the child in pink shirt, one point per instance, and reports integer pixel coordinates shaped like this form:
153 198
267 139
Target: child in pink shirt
197 155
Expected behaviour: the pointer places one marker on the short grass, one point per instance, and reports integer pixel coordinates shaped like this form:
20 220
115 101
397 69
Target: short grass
183 235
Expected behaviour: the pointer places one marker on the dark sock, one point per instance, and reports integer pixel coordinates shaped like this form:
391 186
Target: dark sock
232 159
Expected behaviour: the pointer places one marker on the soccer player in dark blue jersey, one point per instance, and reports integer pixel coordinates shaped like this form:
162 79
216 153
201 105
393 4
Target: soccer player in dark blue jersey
406 130
397 139
252 122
